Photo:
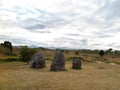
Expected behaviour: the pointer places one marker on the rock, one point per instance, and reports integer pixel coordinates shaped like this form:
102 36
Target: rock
58 62
76 64
99 62
37 61
112 64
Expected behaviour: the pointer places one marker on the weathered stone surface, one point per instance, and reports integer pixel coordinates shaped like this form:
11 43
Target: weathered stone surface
76 64
37 61
58 63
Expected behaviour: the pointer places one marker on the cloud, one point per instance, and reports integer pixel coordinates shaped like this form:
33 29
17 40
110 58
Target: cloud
22 41
71 34
69 43
32 19
107 15
0 3
113 9
69 23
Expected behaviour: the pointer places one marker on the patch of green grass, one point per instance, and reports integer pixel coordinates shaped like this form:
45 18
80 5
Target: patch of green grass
9 59
117 63
49 58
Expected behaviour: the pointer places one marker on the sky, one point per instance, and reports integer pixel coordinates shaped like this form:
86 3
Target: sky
73 24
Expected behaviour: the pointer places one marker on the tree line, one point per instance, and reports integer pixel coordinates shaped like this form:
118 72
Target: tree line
6 48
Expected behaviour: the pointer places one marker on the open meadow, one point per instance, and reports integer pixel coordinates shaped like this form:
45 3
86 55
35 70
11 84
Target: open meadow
96 74
59 45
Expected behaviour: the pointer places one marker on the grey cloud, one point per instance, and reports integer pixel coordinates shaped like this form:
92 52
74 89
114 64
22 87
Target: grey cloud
103 20
47 19
74 43
34 27
82 43
101 35
21 41
71 34
106 16
0 3
42 20
111 45
109 12
106 34
45 22
43 31
113 10
98 45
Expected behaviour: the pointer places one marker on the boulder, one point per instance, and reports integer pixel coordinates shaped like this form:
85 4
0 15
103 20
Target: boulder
37 61
58 62
76 64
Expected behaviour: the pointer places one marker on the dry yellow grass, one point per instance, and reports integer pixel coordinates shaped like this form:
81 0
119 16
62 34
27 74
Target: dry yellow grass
93 76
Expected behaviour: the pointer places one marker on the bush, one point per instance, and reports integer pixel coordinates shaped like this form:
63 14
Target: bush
26 53
67 52
4 50
101 53
76 52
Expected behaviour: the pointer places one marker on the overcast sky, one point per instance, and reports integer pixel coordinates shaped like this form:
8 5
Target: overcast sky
78 24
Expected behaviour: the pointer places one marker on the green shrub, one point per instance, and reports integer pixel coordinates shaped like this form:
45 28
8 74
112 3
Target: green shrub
76 52
4 50
26 53
67 52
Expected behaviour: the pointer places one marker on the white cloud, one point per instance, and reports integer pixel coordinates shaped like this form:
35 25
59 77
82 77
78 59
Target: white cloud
62 23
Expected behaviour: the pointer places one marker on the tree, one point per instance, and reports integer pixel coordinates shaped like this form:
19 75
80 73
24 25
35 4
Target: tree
26 53
101 53
117 52
8 45
109 51
4 50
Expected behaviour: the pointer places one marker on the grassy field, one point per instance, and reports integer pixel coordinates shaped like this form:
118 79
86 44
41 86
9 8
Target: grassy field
93 76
